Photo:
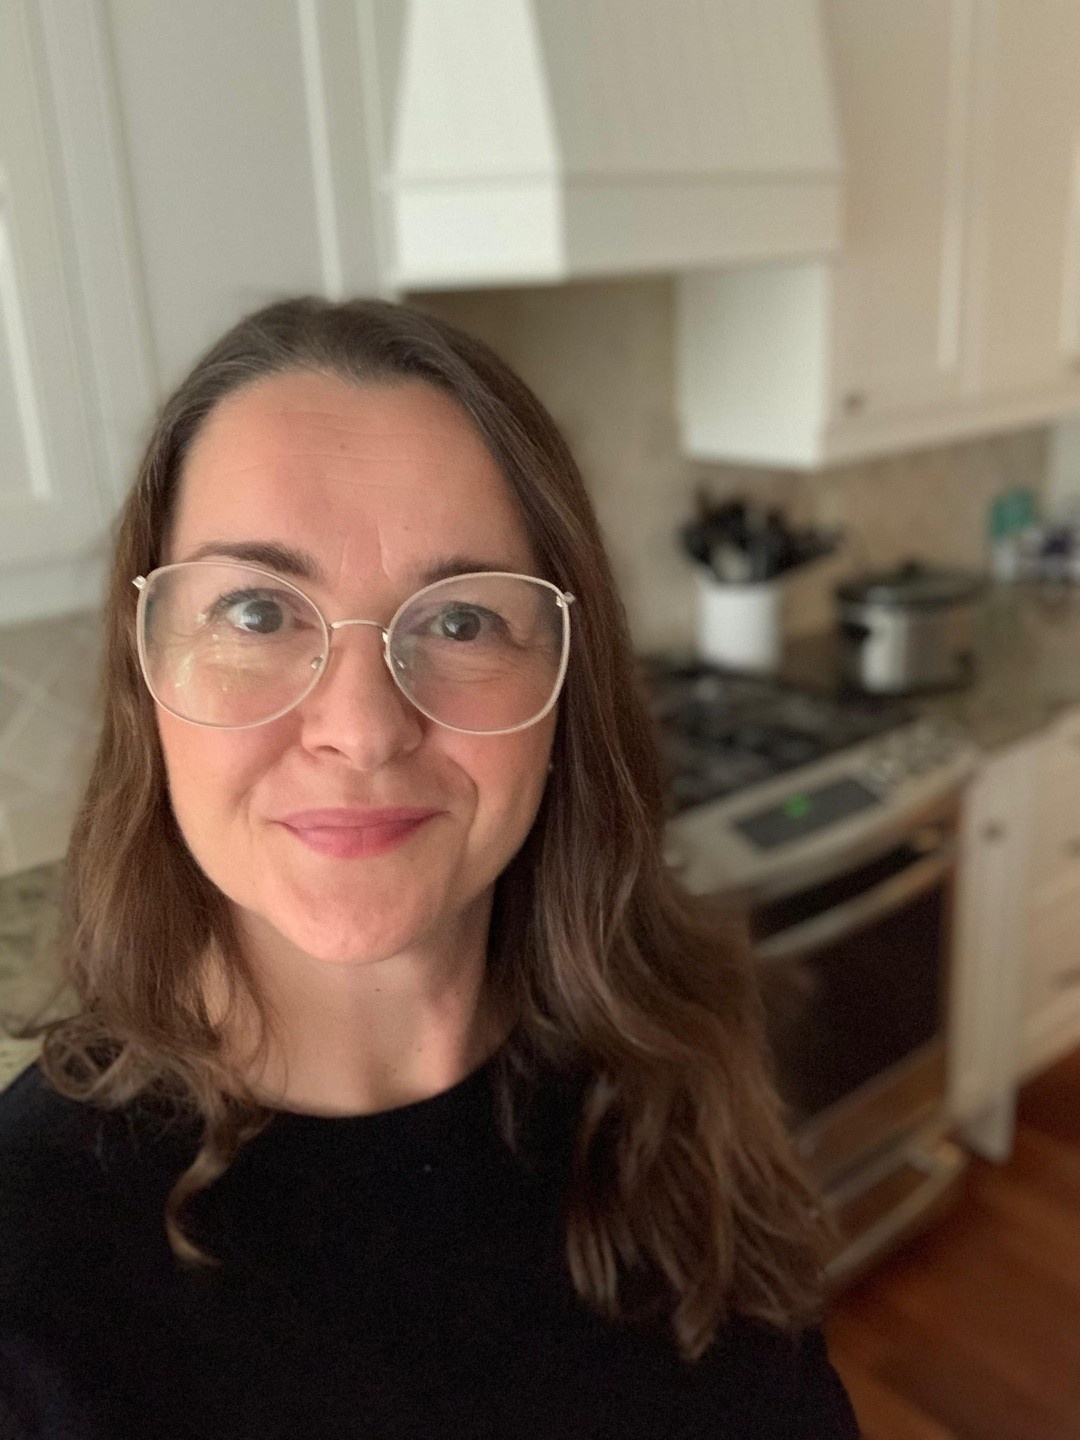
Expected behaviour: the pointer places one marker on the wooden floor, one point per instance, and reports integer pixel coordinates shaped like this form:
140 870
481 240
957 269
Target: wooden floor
972 1331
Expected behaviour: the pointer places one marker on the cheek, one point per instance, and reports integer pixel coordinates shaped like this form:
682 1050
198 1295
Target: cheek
209 773
509 773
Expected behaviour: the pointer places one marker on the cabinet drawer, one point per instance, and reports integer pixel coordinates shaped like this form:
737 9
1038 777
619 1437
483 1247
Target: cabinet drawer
1054 951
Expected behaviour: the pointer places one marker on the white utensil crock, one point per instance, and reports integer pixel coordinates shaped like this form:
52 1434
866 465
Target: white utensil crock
740 626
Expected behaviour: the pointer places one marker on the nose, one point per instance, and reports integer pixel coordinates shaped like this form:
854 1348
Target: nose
356 708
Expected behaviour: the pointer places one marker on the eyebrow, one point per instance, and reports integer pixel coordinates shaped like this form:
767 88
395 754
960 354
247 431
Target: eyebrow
301 565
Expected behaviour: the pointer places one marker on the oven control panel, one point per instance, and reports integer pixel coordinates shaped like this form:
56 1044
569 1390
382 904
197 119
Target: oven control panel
799 825
911 751
805 811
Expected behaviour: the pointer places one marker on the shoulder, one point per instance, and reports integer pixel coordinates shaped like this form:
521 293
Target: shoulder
772 1384
755 1380
71 1174
46 1172
49 1143
36 1119
39 1123
785 1383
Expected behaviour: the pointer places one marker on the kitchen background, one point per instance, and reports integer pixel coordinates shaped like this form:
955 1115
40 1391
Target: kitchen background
601 355
821 257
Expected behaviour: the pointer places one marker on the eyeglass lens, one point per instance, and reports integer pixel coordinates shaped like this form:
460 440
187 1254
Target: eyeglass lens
227 645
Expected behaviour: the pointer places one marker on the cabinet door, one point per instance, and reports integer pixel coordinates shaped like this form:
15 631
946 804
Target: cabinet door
1056 843
1052 986
903 77
1025 265
1053 968
49 507
988 984
246 148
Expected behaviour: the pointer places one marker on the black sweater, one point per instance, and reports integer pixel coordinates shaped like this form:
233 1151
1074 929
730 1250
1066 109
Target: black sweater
397 1275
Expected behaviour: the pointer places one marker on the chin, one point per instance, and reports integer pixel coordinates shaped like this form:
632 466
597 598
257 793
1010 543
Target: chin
332 910
347 932
355 942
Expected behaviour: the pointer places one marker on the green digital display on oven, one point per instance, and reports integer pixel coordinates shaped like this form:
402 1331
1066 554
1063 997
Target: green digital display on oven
804 811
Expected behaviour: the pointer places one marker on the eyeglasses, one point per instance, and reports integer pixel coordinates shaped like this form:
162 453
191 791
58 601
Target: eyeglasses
232 646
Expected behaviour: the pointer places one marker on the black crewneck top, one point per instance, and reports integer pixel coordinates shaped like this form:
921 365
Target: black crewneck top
397 1276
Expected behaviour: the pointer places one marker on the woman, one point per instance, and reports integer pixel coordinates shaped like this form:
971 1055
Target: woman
409 1094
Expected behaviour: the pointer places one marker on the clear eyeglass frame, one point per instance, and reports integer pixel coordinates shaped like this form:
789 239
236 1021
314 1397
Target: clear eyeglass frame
563 598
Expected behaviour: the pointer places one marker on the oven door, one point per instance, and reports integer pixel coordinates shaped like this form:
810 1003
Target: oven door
853 974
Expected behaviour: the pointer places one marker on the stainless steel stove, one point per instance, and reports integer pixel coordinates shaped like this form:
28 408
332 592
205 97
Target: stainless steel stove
722 732
831 819
772 785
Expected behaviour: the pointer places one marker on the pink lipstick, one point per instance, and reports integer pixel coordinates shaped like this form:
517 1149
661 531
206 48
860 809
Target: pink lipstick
350 834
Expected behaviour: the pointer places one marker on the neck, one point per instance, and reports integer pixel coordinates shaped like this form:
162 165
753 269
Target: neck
350 1038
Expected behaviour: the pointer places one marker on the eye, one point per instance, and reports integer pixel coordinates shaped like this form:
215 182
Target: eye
254 612
464 622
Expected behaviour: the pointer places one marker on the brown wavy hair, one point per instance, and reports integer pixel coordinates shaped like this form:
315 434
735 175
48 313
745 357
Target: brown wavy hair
685 1196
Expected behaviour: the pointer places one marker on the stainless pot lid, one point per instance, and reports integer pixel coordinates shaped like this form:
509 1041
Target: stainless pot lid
911 584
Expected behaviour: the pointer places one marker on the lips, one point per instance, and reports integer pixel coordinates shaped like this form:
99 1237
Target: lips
349 834
349 818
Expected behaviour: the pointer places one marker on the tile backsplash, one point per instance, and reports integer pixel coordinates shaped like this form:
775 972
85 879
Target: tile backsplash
601 357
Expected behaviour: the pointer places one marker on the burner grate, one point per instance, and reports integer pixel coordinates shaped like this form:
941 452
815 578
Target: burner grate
721 732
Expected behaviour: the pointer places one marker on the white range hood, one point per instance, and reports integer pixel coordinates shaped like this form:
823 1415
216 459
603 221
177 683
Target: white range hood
542 140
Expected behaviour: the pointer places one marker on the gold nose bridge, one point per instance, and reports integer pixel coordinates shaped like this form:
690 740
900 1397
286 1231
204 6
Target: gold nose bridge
333 625
337 624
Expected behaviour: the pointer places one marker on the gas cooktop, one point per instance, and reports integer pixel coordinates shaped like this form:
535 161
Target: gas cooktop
721 732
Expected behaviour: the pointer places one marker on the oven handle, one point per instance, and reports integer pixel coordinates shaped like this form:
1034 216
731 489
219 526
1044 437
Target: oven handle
881 900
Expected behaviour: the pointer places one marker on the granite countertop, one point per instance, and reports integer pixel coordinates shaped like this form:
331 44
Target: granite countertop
1027 668
29 916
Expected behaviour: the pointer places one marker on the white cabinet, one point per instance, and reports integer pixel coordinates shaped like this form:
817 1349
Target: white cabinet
992 907
167 167
1052 988
896 295
537 140
954 306
1025 253
164 168
244 140
1015 995
51 516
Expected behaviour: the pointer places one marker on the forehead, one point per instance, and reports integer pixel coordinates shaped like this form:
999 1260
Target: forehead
373 480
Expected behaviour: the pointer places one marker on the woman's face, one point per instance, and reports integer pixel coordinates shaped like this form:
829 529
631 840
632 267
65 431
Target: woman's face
377 485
